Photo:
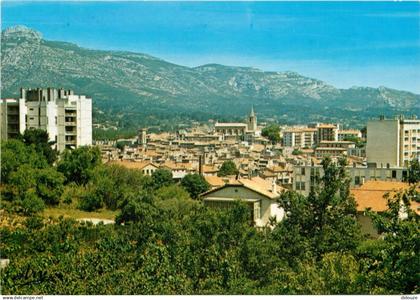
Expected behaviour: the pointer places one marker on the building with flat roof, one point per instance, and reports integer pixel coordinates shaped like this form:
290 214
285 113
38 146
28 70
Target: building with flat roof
392 142
66 117
305 176
299 137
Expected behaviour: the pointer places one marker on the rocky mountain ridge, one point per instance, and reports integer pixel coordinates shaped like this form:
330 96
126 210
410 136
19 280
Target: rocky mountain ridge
135 84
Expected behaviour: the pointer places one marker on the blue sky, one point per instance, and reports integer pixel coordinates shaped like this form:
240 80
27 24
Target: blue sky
343 43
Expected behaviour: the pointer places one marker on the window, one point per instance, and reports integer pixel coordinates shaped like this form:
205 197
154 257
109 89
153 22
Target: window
300 185
356 180
302 171
394 174
257 210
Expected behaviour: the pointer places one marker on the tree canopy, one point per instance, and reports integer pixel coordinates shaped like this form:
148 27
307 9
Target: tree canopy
272 132
195 184
228 168
77 165
164 242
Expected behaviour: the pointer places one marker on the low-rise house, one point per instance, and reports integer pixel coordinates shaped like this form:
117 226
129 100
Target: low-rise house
147 168
261 197
372 195
209 170
178 170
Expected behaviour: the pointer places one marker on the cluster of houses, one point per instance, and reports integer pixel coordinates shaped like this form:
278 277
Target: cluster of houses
265 170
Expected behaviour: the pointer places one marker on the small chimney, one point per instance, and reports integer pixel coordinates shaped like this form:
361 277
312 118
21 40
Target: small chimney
274 187
200 164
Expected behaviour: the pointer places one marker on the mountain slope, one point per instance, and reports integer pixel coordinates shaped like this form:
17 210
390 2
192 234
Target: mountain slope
133 86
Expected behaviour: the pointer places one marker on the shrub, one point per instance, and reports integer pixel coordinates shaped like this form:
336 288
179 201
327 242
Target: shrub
32 204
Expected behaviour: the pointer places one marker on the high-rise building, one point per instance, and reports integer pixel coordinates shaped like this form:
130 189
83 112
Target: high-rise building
326 132
299 137
12 118
392 142
66 117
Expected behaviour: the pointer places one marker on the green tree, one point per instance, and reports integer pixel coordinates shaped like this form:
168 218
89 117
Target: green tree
195 184
47 183
77 165
161 177
413 171
91 200
297 152
325 221
175 200
228 168
394 267
39 139
31 203
358 141
14 154
50 185
272 132
138 208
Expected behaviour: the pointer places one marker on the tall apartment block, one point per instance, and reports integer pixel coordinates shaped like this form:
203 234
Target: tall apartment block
326 132
299 137
66 117
12 120
392 142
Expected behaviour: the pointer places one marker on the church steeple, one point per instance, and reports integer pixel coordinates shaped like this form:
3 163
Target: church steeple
252 120
252 112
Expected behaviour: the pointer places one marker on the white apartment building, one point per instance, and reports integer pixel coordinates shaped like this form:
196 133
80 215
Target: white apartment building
392 142
299 137
12 120
326 132
66 117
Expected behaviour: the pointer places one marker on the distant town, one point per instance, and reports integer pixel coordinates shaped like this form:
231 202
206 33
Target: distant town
269 159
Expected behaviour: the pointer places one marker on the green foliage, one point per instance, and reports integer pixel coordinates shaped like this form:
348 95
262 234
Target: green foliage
327 217
14 154
228 168
358 141
164 242
195 184
161 177
297 152
395 267
91 200
77 165
49 185
138 208
272 132
31 203
413 176
39 139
